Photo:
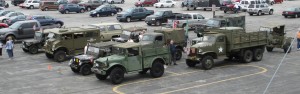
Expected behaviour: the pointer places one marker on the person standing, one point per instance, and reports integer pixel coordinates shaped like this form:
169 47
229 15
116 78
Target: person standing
298 40
9 48
173 52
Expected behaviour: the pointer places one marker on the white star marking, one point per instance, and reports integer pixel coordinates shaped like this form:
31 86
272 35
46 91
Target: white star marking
220 50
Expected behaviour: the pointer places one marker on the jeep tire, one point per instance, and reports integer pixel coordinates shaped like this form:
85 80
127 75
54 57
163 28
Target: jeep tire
247 56
60 56
190 63
157 69
85 69
33 49
178 54
117 75
49 56
258 54
207 62
101 77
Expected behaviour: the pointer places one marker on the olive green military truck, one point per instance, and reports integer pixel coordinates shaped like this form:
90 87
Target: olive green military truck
71 41
222 21
162 37
132 57
277 38
232 42
34 45
83 63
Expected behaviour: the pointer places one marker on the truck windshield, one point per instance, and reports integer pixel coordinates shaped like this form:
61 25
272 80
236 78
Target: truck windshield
148 38
159 13
212 23
207 38
118 51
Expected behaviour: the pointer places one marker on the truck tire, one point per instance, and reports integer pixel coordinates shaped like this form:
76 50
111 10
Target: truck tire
207 62
178 54
258 54
190 63
46 9
286 48
33 49
88 8
149 24
247 56
49 56
117 75
101 77
66 11
259 13
157 69
271 12
157 23
269 49
31 7
128 19
60 56
75 70
85 69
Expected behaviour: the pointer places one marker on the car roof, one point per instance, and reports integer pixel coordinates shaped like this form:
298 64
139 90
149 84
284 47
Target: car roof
127 45
71 30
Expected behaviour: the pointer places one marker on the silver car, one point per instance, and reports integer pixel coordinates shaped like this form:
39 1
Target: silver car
260 9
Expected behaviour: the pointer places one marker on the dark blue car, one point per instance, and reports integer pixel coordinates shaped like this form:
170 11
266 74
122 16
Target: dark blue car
47 20
67 8
103 11
14 19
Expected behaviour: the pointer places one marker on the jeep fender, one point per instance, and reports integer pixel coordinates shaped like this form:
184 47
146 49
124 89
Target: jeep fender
113 65
210 53
158 58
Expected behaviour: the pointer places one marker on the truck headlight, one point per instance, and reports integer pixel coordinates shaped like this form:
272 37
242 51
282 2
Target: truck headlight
153 19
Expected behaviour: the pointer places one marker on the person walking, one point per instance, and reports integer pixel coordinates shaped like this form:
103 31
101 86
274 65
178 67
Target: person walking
173 52
9 48
298 39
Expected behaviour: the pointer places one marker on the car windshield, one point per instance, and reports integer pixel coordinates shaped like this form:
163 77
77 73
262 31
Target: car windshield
118 51
159 13
148 38
99 8
290 9
212 23
15 25
38 35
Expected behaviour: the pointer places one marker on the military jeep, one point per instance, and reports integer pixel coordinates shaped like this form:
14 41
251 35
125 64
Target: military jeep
131 57
83 63
33 45
277 38
130 33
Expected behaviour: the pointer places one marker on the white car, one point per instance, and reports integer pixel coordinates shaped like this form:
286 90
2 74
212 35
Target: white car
31 4
165 3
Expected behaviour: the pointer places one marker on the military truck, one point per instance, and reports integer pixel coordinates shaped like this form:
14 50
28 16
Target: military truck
130 33
162 37
228 42
277 38
34 45
71 41
132 57
83 63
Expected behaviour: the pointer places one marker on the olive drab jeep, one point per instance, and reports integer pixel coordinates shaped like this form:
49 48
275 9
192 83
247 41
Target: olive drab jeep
277 38
83 63
131 57
130 33
34 45
63 42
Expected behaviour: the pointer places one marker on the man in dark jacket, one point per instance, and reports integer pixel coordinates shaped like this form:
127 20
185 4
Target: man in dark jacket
173 52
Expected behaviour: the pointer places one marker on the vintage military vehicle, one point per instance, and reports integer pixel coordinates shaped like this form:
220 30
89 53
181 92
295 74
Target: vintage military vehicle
232 42
132 57
277 38
130 33
34 45
162 37
83 63
71 41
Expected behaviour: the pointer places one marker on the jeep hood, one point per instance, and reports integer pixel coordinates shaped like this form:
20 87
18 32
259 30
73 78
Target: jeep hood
84 57
112 58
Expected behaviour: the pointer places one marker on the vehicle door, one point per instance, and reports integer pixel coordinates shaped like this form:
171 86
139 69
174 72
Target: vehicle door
160 46
72 7
142 13
135 14
133 59
220 45
79 41
26 30
199 18
108 11
103 32
168 3
68 42
297 11
42 20
165 16
92 36
263 8
191 19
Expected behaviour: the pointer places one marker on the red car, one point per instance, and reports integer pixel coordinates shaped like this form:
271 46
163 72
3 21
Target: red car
21 5
142 3
278 1
3 25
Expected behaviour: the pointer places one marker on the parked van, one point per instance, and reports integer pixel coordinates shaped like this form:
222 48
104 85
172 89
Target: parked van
31 4
46 5
245 3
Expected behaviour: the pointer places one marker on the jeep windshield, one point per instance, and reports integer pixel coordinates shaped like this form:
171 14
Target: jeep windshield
148 38
213 23
38 35
118 51
92 51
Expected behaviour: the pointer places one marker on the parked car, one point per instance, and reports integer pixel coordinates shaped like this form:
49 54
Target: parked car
165 3
46 20
21 5
115 1
260 9
119 9
134 13
103 11
31 4
8 15
142 3
159 17
14 19
91 4
22 29
67 8
4 4
291 12
46 5
4 12
33 46
17 2
245 3
3 25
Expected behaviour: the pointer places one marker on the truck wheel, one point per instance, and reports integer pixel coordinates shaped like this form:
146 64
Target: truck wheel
296 16
190 63
88 8
75 70
269 49
157 23
286 48
31 7
117 75
128 19
271 12
247 56
60 56
195 8
250 14
85 69
157 69
33 49
173 5
149 24
161 6
49 56
82 11
259 13
66 11
25 50
101 77
178 54
258 54
207 62
46 9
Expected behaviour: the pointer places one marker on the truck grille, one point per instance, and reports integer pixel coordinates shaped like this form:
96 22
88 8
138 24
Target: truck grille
193 52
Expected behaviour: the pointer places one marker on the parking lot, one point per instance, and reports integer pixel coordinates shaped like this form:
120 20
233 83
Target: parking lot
35 74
